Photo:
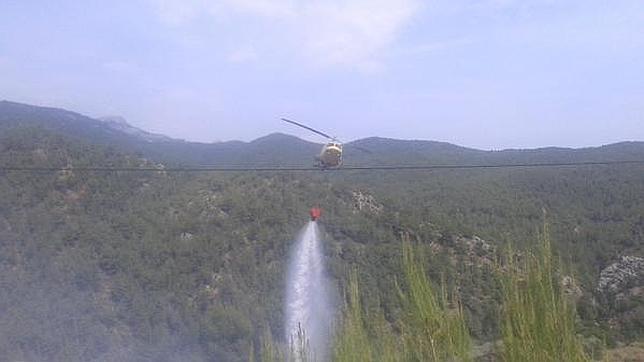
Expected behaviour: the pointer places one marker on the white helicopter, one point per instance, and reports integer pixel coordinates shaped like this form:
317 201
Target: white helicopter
331 154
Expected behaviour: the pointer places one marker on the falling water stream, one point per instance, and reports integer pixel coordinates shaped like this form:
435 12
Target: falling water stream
308 311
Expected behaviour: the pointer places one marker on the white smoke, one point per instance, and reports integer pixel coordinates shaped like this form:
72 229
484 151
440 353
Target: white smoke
308 311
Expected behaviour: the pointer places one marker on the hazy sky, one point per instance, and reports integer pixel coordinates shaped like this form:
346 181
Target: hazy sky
488 74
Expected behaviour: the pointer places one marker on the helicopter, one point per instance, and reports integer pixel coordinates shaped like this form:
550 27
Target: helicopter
331 154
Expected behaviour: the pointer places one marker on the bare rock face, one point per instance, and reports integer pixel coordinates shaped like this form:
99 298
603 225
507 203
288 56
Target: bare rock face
571 288
472 251
186 236
364 202
621 288
476 244
626 273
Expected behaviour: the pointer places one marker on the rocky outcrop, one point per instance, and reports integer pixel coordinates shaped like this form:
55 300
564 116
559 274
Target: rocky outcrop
476 245
118 123
571 288
625 273
364 202
621 292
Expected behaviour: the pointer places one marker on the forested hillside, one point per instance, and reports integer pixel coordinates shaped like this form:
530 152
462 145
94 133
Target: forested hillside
160 265
283 150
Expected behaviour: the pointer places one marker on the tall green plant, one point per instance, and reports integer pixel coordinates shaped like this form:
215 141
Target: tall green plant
270 350
353 343
538 321
433 329
298 349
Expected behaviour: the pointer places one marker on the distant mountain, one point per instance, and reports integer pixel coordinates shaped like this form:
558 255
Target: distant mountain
116 132
119 123
285 150
413 152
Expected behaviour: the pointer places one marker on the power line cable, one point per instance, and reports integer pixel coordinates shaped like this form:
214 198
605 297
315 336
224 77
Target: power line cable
307 169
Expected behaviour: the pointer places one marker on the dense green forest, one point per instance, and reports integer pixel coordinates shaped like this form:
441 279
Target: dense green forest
160 265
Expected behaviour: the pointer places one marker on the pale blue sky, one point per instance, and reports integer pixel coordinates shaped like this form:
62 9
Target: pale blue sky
488 74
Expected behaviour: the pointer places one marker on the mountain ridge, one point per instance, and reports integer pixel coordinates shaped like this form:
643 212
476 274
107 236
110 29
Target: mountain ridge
280 149
119 123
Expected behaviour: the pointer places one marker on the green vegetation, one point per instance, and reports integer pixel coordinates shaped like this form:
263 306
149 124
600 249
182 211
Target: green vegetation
353 342
430 329
538 319
167 266
433 328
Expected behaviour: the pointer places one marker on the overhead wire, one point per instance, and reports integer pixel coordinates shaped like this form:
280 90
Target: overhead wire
309 169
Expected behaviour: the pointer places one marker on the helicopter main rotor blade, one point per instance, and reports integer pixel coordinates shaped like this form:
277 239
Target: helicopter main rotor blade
309 128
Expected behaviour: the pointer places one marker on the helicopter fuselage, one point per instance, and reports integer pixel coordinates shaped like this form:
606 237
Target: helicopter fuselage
330 156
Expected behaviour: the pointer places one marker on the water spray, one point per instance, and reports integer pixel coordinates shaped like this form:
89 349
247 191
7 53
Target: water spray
307 310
